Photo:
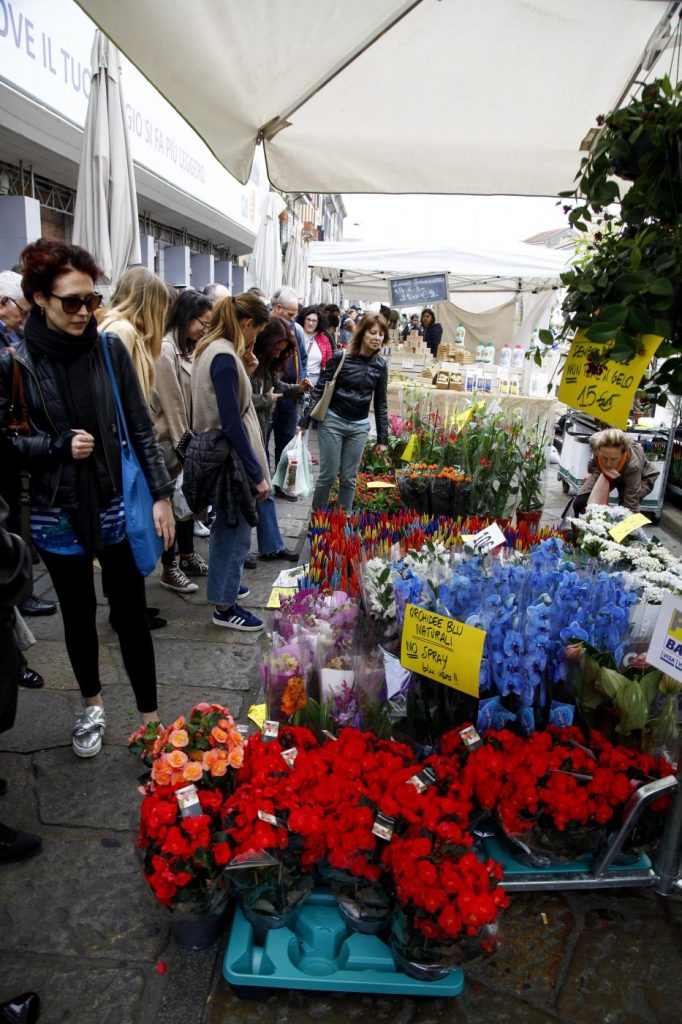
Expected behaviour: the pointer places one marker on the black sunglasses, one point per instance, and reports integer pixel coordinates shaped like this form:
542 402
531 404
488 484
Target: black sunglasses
24 312
72 303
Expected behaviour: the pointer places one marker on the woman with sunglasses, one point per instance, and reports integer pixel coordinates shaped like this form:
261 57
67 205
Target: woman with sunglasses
186 324
74 456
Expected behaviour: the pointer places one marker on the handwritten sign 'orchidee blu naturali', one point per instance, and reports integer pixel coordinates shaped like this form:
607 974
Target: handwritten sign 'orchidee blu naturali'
602 387
442 649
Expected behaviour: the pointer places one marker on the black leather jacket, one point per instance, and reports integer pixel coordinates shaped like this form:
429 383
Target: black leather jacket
46 453
361 378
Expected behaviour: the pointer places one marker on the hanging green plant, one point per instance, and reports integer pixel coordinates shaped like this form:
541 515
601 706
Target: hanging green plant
628 280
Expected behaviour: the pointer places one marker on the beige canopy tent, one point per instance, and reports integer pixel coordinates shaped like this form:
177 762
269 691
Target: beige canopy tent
450 96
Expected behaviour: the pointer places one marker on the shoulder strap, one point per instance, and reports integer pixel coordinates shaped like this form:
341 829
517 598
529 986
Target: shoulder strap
337 371
19 421
120 416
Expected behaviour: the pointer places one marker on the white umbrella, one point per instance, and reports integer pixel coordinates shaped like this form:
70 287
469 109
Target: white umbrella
105 218
265 265
295 263
484 98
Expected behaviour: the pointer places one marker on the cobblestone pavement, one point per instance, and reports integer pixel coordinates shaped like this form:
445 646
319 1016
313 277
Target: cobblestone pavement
79 926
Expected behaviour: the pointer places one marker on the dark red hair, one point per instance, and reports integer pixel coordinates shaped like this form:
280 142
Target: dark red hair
42 262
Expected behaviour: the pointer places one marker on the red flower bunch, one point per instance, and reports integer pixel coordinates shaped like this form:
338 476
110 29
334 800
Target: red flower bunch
196 756
552 789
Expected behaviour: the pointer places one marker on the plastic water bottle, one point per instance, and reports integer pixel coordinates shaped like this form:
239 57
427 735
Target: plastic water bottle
459 336
480 352
518 356
505 355
489 354
538 384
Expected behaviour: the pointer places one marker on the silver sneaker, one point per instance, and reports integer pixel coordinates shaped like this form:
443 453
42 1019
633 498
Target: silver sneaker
90 726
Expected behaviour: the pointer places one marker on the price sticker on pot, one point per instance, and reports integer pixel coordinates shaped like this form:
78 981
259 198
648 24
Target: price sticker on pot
600 386
627 526
442 649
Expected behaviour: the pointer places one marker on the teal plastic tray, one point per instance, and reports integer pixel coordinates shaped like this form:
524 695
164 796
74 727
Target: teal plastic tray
513 868
318 954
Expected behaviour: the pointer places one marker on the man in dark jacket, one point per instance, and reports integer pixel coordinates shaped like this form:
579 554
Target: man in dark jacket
285 303
15 584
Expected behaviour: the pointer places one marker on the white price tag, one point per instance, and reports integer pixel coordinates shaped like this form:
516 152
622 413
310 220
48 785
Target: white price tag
485 540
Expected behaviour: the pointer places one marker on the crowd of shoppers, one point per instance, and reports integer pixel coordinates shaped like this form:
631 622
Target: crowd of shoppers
188 365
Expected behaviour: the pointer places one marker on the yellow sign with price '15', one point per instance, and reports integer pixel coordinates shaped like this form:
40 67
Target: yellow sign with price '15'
442 649
605 390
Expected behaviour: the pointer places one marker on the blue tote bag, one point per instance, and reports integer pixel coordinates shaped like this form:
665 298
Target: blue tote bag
144 541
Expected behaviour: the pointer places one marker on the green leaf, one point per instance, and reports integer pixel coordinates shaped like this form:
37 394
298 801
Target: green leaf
610 682
640 321
615 313
602 332
635 258
635 282
632 707
546 337
661 286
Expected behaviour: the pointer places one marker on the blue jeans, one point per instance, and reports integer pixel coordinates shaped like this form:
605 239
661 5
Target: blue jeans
269 537
228 549
341 444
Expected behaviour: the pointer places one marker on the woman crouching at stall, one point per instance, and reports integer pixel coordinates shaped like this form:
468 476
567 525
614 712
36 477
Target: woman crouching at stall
362 376
222 399
617 462
74 455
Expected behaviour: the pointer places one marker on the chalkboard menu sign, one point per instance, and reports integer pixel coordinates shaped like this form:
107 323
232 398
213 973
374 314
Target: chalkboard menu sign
419 291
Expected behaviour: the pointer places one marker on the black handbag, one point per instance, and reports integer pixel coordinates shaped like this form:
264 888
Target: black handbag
183 444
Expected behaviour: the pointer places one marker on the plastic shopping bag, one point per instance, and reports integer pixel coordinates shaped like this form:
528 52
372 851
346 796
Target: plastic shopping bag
294 473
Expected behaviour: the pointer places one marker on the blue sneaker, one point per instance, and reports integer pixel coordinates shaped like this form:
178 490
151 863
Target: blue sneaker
243 592
237 618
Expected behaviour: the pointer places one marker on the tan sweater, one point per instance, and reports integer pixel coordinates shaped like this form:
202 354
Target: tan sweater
171 403
205 415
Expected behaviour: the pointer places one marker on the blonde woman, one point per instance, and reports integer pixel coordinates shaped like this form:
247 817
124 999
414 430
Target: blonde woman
222 398
186 324
137 313
617 462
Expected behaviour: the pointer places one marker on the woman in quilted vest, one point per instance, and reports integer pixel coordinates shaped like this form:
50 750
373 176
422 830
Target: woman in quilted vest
222 398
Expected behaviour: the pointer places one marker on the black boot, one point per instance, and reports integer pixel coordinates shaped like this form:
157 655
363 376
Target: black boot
23 1009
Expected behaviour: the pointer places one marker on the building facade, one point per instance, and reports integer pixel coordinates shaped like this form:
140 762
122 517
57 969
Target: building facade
195 218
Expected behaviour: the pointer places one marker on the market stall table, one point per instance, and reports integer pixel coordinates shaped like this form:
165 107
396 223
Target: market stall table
401 395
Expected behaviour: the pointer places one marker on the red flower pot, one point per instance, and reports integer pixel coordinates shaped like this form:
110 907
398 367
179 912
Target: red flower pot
532 518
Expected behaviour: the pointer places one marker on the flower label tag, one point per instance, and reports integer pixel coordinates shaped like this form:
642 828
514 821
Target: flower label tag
470 738
188 801
272 819
270 730
383 826
485 540
243 731
626 526
289 756
423 779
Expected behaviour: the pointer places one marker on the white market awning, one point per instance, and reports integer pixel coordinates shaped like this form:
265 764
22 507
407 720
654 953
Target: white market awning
364 273
442 96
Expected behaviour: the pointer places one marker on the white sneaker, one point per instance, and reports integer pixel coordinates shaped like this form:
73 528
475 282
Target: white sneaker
88 730
200 529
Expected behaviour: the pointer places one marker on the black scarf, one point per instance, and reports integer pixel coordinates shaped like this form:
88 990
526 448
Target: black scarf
70 357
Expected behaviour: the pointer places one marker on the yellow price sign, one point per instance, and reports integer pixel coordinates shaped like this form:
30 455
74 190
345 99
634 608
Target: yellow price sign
378 485
463 418
605 390
626 526
257 714
408 454
277 593
442 649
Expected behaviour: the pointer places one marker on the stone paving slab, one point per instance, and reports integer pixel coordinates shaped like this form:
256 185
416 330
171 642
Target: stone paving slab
44 719
77 792
531 956
627 965
82 896
82 993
